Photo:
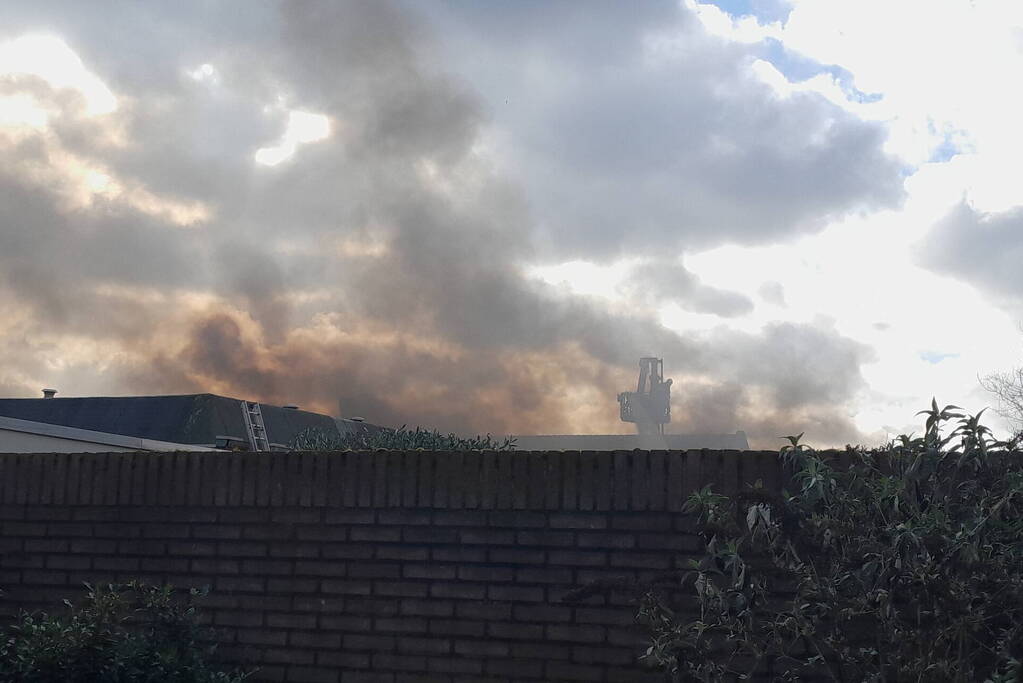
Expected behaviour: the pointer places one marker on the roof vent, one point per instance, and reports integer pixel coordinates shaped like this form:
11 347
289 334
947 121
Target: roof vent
49 393
290 407
358 419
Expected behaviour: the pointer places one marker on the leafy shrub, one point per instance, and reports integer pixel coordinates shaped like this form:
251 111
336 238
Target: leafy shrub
131 633
901 563
397 439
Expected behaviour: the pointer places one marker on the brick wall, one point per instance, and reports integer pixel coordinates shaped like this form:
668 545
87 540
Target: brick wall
387 566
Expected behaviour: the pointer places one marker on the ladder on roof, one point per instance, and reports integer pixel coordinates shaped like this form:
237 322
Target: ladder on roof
254 426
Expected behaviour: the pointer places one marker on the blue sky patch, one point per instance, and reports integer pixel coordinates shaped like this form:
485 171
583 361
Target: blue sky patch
934 357
764 10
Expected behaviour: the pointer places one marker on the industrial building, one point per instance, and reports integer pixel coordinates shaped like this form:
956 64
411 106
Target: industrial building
156 423
649 409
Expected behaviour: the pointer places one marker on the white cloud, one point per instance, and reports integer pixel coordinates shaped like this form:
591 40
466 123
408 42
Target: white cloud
50 58
303 128
745 29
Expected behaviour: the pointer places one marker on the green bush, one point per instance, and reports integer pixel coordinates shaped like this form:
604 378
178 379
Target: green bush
901 563
130 633
400 439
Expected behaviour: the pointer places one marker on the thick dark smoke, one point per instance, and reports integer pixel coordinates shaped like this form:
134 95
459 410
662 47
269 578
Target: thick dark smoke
383 267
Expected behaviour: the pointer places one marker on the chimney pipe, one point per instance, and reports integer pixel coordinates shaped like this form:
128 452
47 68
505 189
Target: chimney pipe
49 393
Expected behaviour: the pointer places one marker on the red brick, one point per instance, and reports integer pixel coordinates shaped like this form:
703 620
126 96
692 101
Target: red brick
515 593
481 648
427 608
641 522
374 606
262 637
215 566
606 540
117 564
517 519
92 546
562 671
346 623
409 589
287 656
509 631
300 639
457 627
428 571
225 618
294 549
366 677
241 549
346 551
375 534
346 661
46 545
485 612
71 529
373 570
276 585
382 661
464 591
350 517
519 668
330 568
401 552
542 613
369 642
344 587
578 521
601 655
454 666
459 518
531 575
312 674
581 558
401 624
215 531
291 621
405 517
261 567
515 556
68 562
576 633
192 548
487 537
431 646
429 535
459 554
296 516
488 574
641 560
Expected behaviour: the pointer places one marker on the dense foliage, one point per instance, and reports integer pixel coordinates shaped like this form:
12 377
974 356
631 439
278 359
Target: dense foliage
902 563
131 633
397 439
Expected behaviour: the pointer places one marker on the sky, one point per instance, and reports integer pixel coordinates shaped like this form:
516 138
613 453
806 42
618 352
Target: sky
479 216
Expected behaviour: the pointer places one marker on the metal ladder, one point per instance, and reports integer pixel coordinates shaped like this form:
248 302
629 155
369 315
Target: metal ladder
254 426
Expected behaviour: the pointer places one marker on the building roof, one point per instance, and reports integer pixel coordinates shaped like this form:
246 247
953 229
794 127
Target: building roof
86 436
196 419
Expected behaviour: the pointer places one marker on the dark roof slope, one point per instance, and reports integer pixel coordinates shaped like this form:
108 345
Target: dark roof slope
191 418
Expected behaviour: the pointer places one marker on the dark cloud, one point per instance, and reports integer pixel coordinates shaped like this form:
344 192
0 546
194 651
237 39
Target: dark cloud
384 267
655 282
625 150
772 292
981 249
